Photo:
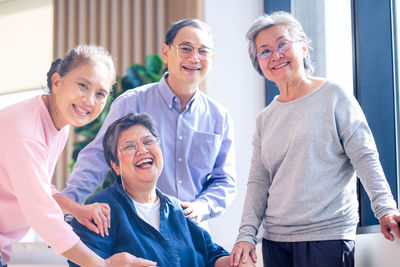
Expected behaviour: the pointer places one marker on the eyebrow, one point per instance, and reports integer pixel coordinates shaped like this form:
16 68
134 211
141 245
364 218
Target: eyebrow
130 140
88 82
189 43
277 39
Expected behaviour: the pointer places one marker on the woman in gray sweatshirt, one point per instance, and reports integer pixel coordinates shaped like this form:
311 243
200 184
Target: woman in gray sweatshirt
310 145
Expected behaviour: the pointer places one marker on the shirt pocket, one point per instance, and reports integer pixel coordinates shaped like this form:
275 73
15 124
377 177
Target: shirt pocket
204 151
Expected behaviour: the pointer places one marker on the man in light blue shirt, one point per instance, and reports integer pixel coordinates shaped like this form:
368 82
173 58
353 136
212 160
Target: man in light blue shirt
196 132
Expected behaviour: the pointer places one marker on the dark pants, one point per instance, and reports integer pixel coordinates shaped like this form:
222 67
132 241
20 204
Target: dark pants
331 253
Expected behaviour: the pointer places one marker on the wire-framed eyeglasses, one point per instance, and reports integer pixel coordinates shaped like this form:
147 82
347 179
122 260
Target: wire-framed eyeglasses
131 146
266 52
185 51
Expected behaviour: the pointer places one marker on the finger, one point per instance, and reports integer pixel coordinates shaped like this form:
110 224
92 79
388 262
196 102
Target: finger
245 256
99 224
253 255
104 222
107 213
396 229
188 211
237 256
185 204
232 257
144 262
386 233
91 226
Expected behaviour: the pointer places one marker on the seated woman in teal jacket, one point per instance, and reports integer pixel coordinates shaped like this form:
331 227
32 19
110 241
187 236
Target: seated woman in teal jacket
144 221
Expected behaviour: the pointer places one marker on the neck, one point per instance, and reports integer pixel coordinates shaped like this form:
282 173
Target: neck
295 88
182 91
49 101
142 196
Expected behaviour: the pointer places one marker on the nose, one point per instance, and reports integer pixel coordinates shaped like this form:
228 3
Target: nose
90 99
276 54
194 56
141 148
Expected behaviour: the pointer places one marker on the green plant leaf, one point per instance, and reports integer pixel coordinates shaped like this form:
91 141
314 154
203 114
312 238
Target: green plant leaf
153 63
131 79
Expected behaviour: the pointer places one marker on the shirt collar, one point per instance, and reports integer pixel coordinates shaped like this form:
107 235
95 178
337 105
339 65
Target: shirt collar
169 97
165 91
164 200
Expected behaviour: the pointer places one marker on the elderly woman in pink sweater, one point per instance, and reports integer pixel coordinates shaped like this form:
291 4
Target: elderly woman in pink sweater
32 137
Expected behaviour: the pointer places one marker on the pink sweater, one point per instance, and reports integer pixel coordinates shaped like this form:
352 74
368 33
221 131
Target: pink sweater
30 146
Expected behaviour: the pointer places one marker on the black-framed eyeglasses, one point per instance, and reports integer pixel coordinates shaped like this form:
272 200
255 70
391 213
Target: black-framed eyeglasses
281 47
185 51
131 146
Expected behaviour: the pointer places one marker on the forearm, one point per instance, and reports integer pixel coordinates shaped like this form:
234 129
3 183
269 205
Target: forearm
66 204
83 256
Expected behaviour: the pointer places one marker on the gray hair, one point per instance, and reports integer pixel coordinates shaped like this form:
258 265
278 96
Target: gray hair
80 55
277 18
177 26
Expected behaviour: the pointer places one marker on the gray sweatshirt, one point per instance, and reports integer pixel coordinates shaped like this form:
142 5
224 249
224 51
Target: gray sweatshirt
307 154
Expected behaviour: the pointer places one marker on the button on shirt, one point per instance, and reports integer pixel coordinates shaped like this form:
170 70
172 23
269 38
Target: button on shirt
180 241
197 145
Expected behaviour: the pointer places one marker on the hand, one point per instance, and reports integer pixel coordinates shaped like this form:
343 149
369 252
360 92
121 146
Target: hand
240 253
195 210
224 262
96 217
388 222
125 259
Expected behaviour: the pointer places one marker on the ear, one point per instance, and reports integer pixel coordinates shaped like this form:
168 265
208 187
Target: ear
55 82
212 58
305 49
115 167
164 53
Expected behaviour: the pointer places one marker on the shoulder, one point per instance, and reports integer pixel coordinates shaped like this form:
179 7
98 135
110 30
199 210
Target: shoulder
336 90
137 92
107 195
171 200
217 114
25 120
212 103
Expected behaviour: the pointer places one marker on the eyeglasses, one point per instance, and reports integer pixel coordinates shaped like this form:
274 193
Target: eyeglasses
130 147
185 51
281 47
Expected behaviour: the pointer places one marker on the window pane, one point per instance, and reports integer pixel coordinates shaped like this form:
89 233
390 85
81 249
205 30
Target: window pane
331 37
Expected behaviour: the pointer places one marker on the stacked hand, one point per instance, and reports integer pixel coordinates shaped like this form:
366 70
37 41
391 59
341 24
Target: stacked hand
241 252
96 217
195 210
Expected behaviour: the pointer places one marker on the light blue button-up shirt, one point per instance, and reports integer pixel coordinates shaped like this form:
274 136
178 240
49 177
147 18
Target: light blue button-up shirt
197 144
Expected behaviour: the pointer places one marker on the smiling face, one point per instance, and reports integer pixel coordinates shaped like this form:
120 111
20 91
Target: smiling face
190 71
80 96
140 169
281 67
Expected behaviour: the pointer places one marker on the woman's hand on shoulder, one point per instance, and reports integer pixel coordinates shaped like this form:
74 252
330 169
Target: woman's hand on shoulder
241 252
96 217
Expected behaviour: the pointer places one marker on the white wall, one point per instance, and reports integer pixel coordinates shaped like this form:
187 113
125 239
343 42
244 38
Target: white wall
234 83
373 250
26 30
